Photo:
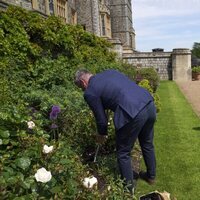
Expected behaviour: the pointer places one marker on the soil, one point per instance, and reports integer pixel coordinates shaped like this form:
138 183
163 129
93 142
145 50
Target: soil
191 90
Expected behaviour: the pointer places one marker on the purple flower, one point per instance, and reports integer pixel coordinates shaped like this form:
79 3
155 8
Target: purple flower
54 112
53 115
55 109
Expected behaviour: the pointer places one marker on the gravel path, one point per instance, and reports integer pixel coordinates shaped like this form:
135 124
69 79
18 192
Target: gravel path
191 90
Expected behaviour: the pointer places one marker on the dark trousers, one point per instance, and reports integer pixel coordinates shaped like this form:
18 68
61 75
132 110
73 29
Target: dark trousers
140 127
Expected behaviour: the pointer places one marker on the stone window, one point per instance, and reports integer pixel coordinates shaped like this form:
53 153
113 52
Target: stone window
51 7
108 26
62 9
103 26
84 26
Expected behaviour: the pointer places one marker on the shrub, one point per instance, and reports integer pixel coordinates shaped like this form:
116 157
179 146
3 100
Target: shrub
38 63
150 74
145 84
196 69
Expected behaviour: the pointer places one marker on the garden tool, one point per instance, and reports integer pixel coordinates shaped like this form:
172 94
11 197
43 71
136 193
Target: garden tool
96 153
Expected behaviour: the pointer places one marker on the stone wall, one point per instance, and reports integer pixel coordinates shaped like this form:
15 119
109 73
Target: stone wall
175 65
121 22
160 61
26 4
88 15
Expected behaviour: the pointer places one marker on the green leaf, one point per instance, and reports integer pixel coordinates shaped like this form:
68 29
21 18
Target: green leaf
23 162
20 198
2 181
12 180
56 189
6 141
25 184
64 161
4 134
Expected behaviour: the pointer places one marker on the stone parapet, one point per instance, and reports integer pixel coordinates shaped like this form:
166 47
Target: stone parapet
160 61
147 55
175 65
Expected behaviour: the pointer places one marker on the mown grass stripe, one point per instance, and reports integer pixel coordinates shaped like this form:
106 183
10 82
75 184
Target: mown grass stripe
177 144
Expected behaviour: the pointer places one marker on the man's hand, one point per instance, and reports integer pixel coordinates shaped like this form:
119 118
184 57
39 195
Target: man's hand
101 139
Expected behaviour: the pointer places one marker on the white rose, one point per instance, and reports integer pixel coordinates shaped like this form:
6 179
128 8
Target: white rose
43 175
47 149
90 182
31 124
109 188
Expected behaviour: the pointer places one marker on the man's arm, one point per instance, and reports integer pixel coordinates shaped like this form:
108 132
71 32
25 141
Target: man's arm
97 108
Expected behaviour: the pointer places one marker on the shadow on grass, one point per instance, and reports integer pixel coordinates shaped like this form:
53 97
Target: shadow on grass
196 128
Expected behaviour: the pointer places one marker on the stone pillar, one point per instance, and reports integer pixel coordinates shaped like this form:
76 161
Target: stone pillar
181 64
47 7
35 4
117 47
95 17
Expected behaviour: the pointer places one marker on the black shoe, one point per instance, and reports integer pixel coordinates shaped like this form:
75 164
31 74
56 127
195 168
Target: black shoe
143 176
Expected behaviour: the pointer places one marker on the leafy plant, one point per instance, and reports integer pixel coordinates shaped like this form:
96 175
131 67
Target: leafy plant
149 74
145 84
196 69
196 50
39 58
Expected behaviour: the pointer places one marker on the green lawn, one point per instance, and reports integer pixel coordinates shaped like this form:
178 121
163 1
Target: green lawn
177 144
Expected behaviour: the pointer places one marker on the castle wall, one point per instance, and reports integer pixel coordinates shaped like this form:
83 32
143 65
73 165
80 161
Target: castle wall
121 22
160 61
22 3
71 12
88 15
175 65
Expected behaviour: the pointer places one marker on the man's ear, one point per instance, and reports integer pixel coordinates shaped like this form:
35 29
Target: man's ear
83 83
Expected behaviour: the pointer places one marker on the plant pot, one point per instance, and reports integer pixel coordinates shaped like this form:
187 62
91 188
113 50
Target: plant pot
196 76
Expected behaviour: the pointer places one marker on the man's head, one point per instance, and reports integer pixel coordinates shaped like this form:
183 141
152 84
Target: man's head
82 78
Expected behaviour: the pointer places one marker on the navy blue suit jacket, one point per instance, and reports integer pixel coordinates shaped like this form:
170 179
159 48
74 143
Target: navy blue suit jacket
115 91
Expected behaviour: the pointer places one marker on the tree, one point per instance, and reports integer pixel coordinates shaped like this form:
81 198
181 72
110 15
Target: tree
196 50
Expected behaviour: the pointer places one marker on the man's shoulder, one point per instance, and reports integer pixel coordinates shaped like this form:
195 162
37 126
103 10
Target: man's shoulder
108 73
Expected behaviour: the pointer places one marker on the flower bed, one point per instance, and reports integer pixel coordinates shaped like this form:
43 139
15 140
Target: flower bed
45 125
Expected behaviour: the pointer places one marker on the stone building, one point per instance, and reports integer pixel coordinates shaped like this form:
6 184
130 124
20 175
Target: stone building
111 19
108 18
65 9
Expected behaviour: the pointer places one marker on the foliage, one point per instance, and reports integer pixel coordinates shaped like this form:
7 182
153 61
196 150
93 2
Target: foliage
149 74
196 50
196 69
39 58
145 84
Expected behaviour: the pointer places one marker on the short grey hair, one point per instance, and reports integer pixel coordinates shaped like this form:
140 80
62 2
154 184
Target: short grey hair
78 76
